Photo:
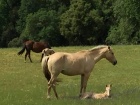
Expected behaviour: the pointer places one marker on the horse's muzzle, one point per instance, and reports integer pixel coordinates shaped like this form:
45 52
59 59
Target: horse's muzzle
115 62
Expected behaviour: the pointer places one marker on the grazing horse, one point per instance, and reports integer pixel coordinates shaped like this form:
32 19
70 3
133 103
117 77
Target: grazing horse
79 63
47 52
36 47
91 95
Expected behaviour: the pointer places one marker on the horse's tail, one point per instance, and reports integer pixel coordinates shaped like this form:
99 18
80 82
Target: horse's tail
45 68
42 55
46 71
22 50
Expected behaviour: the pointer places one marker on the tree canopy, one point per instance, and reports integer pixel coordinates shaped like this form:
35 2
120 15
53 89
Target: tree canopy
69 22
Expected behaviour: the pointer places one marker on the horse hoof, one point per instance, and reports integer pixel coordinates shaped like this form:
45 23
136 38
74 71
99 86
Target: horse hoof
80 95
48 97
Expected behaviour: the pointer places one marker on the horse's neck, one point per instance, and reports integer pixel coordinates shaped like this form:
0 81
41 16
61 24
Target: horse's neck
106 93
97 55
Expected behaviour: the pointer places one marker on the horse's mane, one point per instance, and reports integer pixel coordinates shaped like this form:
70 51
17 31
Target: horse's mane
95 48
98 47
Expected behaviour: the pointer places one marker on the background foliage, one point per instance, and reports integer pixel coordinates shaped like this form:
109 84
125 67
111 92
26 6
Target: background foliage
69 22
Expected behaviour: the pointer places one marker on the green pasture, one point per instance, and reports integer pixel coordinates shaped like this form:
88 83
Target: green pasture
24 83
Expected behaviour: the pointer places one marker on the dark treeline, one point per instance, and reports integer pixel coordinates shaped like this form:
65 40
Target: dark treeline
69 22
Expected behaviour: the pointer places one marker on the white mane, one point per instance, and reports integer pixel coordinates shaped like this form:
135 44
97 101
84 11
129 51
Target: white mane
98 47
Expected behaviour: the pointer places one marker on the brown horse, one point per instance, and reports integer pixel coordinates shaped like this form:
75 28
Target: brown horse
36 47
79 63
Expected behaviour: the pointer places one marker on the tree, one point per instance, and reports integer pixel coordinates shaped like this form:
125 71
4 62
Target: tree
86 22
9 16
43 25
126 28
27 7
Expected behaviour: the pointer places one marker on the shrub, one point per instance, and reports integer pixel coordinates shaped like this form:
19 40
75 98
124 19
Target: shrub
14 43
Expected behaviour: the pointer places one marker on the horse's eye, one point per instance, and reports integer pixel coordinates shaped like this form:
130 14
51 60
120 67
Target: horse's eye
112 53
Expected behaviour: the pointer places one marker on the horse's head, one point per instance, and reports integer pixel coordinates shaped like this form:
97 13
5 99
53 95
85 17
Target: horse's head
47 52
109 55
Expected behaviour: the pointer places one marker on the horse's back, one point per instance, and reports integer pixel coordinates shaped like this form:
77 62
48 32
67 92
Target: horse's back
39 46
29 44
57 57
65 56
68 58
86 95
36 46
67 63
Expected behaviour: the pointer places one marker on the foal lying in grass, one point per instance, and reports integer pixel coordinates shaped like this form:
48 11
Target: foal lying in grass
91 95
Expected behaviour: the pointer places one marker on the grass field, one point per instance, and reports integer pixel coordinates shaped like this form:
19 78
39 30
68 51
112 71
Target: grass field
24 83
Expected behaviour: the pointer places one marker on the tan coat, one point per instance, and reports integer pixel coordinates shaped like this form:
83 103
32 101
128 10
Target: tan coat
91 95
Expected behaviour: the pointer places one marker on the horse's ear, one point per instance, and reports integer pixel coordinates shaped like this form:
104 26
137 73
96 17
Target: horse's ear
109 85
44 51
52 52
109 47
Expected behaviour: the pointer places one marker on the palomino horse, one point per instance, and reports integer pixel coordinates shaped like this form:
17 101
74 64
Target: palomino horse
36 47
47 52
79 63
91 95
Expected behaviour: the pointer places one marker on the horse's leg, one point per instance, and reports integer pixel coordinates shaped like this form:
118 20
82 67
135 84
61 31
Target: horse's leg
51 84
29 52
49 90
41 57
26 56
54 89
84 79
